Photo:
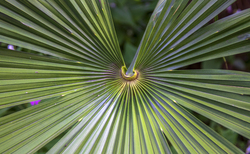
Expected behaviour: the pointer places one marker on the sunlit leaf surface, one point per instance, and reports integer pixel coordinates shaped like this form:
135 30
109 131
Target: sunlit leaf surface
79 78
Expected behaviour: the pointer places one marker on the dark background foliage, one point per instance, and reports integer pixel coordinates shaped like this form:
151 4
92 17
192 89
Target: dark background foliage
130 19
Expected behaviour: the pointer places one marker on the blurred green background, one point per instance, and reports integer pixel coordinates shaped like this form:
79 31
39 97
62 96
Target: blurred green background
130 19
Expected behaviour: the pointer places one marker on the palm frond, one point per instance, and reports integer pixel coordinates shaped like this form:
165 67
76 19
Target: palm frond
80 78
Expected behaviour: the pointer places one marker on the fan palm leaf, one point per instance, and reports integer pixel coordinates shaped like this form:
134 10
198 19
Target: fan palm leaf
84 85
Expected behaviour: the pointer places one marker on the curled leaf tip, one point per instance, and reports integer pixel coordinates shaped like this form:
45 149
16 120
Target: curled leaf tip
127 77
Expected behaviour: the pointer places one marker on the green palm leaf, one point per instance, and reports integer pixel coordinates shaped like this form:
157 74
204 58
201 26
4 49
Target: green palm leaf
81 78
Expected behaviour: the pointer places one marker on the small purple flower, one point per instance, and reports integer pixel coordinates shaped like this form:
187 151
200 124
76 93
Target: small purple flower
239 10
112 5
230 9
248 148
11 47
35 102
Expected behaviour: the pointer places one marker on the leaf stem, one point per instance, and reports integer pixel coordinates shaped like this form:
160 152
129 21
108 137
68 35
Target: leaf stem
130 70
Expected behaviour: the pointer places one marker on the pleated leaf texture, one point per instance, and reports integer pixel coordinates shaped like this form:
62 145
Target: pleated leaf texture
82 81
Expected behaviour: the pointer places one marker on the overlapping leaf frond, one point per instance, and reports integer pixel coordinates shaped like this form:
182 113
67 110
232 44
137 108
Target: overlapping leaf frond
78 77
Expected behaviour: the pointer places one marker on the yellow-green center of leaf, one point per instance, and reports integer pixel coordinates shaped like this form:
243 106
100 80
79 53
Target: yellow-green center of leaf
126 77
